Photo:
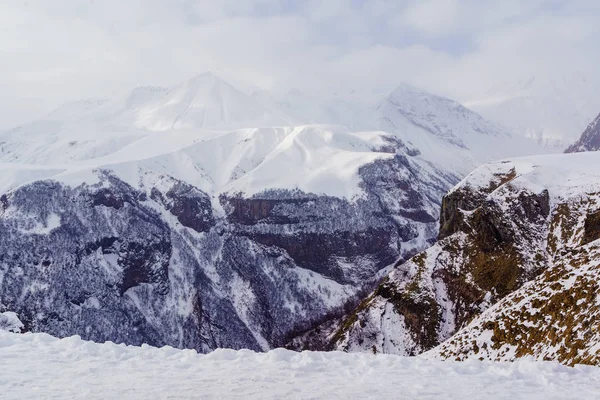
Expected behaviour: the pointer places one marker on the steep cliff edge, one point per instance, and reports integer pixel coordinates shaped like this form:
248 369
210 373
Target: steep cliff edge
513 232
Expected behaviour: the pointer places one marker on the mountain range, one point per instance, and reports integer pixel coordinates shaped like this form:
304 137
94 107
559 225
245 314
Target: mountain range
200 217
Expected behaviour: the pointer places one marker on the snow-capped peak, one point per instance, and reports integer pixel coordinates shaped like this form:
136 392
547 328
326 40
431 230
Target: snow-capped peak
438 115
445 132
204 101
406 89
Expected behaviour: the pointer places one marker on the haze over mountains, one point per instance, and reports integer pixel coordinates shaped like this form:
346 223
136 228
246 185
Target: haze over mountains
206 102
551 110
358 199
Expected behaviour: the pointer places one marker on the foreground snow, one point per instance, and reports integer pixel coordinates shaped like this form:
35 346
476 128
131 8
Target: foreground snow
40 366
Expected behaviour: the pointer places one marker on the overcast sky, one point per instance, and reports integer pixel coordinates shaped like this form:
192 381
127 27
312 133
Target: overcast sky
52 51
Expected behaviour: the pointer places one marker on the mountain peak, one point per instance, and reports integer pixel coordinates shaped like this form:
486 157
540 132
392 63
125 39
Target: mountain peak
418 101
406 88
203 101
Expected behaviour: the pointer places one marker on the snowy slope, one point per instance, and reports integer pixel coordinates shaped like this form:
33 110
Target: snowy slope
552 111
565 176
204 101
209 239
315 159
37 365
444 132
555 316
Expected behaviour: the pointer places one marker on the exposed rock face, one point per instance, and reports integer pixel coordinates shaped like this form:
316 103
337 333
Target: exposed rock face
590 139
466 199
165 265
509 245
554 317
191 206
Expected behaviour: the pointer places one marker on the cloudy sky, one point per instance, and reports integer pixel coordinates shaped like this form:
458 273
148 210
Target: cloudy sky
52 51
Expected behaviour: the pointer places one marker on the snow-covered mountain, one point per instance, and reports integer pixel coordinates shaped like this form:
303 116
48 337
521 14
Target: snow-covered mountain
95 128
552 111
515 271
589 140
231 242
204 101
157 220
445 132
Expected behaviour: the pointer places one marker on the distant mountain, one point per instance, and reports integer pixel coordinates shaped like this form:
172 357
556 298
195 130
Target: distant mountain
89 129
551 111
237 240
204 101
446 132
590 139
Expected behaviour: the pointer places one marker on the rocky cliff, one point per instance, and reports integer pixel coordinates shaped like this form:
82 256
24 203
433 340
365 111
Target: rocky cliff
514 271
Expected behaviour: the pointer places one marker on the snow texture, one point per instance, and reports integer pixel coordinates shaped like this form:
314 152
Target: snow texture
40 366
563 175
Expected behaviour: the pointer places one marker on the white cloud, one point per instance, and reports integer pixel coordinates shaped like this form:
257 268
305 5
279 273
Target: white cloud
432 16
51 52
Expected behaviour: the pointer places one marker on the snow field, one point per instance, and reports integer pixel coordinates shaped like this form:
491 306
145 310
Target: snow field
41 366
